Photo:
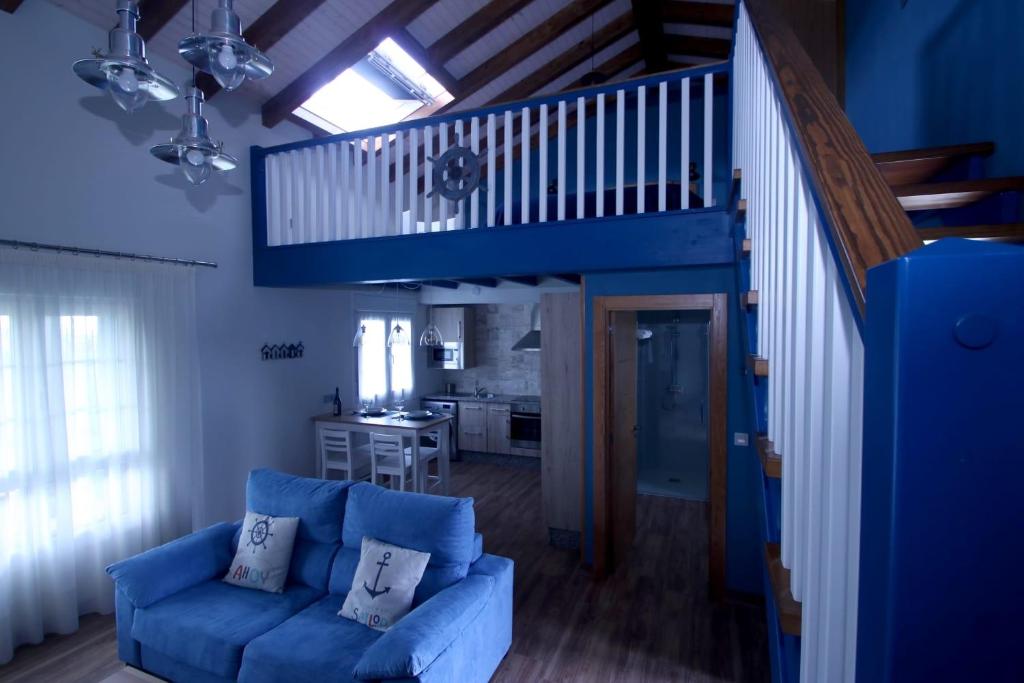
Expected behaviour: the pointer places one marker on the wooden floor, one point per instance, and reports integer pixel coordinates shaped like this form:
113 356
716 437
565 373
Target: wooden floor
651 621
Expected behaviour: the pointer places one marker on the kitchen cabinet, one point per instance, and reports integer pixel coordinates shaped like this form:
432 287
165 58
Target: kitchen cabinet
499 422
473 426
561 376
455 322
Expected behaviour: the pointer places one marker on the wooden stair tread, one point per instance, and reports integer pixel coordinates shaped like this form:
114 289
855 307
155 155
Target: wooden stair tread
953 194
746 247
749 299
789 610
917 165
1008 232
757 365
770 460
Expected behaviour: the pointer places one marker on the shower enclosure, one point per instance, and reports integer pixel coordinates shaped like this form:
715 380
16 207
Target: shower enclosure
672 404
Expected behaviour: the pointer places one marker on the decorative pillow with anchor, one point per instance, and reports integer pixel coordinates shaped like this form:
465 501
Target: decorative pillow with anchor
383 587
264 552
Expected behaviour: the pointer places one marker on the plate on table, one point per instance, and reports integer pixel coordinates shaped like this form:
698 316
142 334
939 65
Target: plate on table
374 412
420 415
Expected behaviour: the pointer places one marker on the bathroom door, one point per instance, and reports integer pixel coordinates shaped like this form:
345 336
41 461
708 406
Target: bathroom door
622 436
691 415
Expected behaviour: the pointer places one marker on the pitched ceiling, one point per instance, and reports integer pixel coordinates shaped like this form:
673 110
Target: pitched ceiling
483 51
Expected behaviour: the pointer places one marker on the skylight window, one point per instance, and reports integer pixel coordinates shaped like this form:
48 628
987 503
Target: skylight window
385 86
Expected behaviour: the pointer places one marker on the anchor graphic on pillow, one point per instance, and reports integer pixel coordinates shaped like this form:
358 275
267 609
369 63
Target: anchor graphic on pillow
387 589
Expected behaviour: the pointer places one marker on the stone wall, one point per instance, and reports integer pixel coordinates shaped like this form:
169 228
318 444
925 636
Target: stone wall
498 368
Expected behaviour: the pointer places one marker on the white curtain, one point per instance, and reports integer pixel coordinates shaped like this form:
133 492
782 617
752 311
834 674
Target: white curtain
99 429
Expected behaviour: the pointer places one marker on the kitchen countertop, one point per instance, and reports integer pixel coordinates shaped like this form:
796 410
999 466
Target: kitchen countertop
497 398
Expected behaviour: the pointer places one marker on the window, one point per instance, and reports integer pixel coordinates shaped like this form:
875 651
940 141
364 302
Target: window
383 87
384 373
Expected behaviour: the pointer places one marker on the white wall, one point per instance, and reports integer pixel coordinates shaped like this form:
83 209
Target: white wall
75 170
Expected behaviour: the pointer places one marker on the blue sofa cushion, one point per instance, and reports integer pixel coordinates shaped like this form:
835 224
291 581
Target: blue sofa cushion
441 526
207 626
320 507
314 645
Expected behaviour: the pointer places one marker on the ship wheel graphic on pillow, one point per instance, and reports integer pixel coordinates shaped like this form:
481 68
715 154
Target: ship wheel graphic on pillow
259 533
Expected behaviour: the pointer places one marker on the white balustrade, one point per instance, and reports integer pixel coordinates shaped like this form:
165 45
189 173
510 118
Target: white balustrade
375 184
807 332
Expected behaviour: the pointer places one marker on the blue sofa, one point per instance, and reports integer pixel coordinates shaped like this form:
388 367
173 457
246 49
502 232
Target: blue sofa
178 620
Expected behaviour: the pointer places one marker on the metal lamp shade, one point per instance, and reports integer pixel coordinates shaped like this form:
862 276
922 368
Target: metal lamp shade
226 31
125 62
194 136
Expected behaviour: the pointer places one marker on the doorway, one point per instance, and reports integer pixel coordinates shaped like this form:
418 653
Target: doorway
672 404
622 397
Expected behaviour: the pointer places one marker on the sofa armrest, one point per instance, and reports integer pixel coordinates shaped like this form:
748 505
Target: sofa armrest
169 568
413 644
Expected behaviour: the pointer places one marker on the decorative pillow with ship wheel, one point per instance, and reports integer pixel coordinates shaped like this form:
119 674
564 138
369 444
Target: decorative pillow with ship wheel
384 583
264 552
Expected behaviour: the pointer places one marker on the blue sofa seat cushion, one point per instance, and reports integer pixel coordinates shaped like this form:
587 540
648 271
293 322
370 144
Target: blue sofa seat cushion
320 507
441 526
208 626
314 645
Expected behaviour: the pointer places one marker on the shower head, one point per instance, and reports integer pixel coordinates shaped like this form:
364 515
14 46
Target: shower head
642 333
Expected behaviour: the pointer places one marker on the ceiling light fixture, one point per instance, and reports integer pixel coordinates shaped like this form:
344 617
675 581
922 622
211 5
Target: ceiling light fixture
223 52
192 149
123 70
431 336
398 337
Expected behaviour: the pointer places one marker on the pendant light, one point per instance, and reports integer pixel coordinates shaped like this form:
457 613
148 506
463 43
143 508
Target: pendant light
399 336
123 70
431 336
223 52
191 149
357 341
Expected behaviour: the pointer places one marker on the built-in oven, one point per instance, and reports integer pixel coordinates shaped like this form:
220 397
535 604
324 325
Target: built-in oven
524 427
446 408
447 357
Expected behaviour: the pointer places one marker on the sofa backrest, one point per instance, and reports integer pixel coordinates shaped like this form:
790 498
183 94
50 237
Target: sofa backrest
441 526
320 506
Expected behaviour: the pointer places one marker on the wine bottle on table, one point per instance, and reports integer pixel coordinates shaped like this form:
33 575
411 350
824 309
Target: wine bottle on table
337 402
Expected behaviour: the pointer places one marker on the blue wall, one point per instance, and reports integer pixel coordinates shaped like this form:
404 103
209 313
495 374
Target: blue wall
743 559
937 72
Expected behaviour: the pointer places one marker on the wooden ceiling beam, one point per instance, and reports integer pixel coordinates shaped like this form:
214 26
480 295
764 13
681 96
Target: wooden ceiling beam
647 14
154 15
528 280
266 31
489 282
615 66
615 30
696 46
700 13
534 40
397 14
473 28
10 5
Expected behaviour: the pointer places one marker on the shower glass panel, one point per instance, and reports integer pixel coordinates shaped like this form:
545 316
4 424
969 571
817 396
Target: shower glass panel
672 404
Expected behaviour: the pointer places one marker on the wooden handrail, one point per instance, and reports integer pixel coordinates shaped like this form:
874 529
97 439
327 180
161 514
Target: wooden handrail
866 224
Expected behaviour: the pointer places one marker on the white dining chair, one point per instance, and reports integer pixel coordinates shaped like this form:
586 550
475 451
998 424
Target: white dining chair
339 453
428 454
388 457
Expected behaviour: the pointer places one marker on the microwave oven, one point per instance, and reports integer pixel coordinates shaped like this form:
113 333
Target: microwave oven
448 357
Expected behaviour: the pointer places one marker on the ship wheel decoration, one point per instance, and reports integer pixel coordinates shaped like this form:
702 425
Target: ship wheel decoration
456 173
259 533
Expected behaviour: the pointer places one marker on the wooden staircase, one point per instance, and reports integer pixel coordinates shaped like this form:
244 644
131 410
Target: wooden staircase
940 179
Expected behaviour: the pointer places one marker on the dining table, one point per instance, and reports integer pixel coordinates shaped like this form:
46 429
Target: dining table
399 423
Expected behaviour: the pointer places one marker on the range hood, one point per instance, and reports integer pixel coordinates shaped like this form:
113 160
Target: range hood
531 340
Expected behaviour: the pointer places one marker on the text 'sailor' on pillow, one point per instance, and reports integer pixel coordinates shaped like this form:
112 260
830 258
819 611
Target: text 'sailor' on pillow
384 584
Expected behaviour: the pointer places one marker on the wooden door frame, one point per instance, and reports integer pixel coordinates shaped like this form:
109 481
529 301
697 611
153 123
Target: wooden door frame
718 452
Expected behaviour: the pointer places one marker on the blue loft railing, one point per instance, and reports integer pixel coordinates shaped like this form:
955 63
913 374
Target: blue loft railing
584 154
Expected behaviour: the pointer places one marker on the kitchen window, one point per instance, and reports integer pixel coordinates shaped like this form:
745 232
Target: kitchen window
384 372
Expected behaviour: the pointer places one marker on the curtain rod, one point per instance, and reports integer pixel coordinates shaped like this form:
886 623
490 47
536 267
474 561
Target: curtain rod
36 246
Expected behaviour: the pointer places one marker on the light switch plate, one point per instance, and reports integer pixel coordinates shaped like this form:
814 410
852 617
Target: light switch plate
741 439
